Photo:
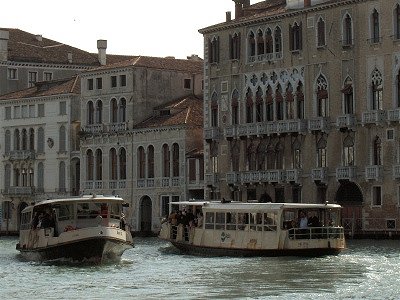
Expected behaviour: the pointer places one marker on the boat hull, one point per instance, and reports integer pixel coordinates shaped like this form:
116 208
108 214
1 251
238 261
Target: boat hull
96 249
242 252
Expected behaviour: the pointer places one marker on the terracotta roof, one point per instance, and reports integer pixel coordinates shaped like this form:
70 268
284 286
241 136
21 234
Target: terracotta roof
166 63
27 47
47 88
186 111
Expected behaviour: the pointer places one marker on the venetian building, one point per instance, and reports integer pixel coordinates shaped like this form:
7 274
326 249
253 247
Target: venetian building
138 135
301 104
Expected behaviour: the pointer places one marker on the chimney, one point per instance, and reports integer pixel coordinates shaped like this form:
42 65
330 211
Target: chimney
4 37
38 37
238 8
228 16
69 57
307 3
246 3
194 57
102 46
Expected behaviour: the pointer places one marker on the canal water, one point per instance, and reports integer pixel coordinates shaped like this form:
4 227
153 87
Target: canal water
369 269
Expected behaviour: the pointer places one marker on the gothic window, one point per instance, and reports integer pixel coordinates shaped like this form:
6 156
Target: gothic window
122 163
321 33
234 44
295 36
166 160
90 113
62 139
269 43
296 154
141 163
249 106
99 164
396 19
90 165
279 150
251 155
17 140
235 107
279 102
261 154
7 142
300 101
40 141
40 176
269 104
122 110
347 31
289 102
260 42
150 162
375 26
259 105
322 97
321 152
377 151
398 89
213 50
61 174
24 139
214 110
235 154
99 112
175 160
113 164
376 90
252 44
348 147
214 156
31 177
278 40
31 139
114 110
348 96
270 156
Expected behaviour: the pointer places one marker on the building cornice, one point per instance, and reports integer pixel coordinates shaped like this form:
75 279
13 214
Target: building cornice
43 65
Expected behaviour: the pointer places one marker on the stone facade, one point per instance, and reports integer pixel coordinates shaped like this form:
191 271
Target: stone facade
302 105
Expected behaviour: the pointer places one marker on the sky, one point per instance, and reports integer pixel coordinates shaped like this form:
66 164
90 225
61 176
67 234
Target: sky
131 27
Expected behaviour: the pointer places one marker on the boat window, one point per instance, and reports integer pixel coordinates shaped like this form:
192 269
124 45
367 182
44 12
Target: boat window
26 220
88 210
289 217
209 223
65 212
270 221
231 219
333 218
220 220
115 211
242 220
255 218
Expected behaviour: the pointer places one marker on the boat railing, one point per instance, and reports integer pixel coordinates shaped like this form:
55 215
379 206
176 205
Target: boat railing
316 233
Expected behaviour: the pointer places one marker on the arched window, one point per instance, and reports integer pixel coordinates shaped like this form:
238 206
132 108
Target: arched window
279 102
90 165
295 36
261 154
296 154
260 42
24 176
40 177
16 177
214 156
122 163
376 90
114 111
322 97
348 96
278 42
269 100
7 142
31 177
24 139
235 107
396 21
270 156
377 151
166 161
63 138
141 163
99 112
61 178
348 147
251 155
40 141
122 110
347 30
150 162
99 164
252 44
234 46
259 105
398 89
113 164
321 152
175 160
235 154
214 110
269 42
321 32
279 155
213 50
249 106
17 141
31 139
289 102
7 176
90 113
375 26
300 101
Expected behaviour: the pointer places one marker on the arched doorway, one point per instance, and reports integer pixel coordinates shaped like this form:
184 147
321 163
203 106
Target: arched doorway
350 197
146 215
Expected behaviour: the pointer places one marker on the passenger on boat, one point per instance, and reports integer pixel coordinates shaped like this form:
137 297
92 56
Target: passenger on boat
200 219
303 224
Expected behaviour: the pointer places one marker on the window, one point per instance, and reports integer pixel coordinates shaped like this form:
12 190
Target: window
322 96
90 84
375 27
289 102
166 161
192 170
113 81
279 103
260 43
114 111
321 152
113 164
295 36
40 140
234 46
252 44
377 151
249 106
269 43
99 165
235 107
90 165
278 41
235 154
24 111
296 194
141 163
187 83
150 162
6 208
90 113
61 174
12 73
63 139
7 141
99 83
396 19
390 134
122 163
175 160
32 77
376 196
348 96
259 105
63 108
122 80
31 111
122 110
17 112
8 113
347 31
41 110
269 104
300 101
164 206
99 112
47 76
376 90
214 157
296 154
321 33
213 50
214 110
348 148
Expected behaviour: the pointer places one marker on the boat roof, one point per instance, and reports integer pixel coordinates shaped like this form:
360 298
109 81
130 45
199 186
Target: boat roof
84 198
254 206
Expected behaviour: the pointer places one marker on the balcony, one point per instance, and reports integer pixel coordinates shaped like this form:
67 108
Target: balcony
276 176
318 124
376 117
212 179
292 126
396 171
22 154
233 178
94 128
293 175
19 191
117 127
373 172
250 177
346 173
231 132
319 175
211 134
346 121
393 115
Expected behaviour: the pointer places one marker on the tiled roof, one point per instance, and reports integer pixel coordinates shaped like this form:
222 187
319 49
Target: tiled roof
186 111
165 63
27 47
47 88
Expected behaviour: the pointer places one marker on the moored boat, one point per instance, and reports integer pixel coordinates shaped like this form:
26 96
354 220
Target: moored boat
254 229
89 228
